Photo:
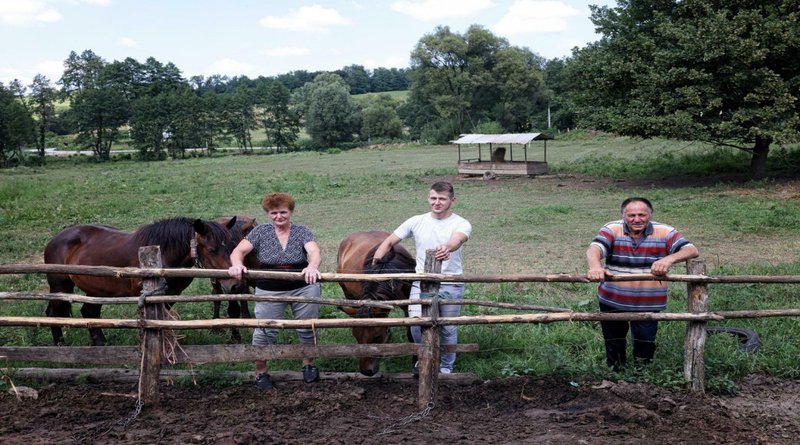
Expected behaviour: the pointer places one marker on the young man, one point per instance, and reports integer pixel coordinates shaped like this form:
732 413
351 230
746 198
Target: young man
632 245
443 230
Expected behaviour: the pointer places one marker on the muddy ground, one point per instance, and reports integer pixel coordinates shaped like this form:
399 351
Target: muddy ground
382 410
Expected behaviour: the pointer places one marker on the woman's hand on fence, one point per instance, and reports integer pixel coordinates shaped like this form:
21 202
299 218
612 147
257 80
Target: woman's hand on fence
311 274
237 271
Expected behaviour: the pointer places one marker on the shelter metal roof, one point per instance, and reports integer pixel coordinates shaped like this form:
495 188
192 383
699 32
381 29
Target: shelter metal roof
508 138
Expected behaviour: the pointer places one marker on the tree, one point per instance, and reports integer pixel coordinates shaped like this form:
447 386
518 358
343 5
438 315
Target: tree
17 128
356 77
380 119
724 72
331 115
459 80
43 96
281 122
239 117
99 101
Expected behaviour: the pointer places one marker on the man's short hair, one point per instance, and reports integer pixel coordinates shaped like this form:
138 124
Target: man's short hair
443 187
635 199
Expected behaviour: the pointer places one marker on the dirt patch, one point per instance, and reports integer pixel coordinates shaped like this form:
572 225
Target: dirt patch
514 410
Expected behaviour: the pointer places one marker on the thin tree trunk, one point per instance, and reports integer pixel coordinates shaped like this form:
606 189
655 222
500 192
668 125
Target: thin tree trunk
758 163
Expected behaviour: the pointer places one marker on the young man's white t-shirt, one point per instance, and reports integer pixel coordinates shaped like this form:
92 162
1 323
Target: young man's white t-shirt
429 233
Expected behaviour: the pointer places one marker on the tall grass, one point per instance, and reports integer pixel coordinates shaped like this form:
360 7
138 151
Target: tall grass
520 225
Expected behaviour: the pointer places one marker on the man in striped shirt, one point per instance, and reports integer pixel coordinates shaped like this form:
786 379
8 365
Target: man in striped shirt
631 245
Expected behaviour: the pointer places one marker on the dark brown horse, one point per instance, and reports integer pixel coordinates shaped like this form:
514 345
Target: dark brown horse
184 243
236 309
355 256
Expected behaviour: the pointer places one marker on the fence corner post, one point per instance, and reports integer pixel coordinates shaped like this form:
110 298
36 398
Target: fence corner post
695 342
151 339
429 350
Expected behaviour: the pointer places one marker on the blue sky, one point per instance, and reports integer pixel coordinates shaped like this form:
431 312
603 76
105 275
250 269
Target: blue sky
252 38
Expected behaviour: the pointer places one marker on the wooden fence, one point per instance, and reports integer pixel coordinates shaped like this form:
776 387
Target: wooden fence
152 324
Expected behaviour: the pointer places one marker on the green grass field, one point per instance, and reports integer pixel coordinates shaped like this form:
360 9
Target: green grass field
520 225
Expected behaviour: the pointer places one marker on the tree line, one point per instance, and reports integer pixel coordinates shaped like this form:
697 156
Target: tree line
723 72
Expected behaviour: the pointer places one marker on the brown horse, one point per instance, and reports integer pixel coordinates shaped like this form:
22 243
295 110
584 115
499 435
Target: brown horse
184 242
236 309
355 256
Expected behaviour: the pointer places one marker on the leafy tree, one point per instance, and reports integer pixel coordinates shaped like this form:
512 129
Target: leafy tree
380 119
459 80
98 100
239 117
388 79
281 122
725 72
356 77
331 115
43 96
17 128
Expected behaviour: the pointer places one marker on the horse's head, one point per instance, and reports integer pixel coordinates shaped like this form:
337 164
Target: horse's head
397 260
212 246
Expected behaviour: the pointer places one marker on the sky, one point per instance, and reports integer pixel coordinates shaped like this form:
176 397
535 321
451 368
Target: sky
269 37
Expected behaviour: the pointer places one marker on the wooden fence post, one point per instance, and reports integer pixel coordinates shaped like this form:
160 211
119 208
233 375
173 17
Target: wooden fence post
151 339
695 343
429 350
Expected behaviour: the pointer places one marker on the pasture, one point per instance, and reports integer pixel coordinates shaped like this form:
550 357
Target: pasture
539 225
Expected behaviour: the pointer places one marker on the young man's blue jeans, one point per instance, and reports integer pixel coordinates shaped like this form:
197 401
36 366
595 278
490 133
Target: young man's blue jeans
448 334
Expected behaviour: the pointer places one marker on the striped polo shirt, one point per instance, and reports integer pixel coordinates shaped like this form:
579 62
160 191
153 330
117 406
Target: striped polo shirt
625 256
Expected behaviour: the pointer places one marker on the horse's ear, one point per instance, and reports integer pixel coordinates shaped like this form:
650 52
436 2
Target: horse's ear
200 226
231 223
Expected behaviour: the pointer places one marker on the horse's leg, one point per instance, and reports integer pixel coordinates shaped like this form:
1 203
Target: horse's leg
245 309
233 312
93 311
216 289
55 308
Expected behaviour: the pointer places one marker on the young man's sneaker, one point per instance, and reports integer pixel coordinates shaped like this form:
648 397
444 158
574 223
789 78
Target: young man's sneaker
415 370
264 382
310 374
444 371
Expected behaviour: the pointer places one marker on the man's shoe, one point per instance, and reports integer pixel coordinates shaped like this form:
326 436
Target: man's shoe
415 370
310 374
444 371
264 382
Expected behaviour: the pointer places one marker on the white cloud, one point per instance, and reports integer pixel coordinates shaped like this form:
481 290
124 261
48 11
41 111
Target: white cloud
286 51
528 16
27 12
312 18
53 69
432 10
128 42
230 67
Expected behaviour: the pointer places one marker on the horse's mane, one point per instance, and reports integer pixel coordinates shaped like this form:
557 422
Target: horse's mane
174 234
395 261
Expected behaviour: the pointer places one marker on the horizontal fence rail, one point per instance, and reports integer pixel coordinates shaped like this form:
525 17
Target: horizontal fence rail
132 272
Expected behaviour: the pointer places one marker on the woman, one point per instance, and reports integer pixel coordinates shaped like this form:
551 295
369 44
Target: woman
281 246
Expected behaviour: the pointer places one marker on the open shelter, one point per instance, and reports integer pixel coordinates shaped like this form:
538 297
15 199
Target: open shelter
498 161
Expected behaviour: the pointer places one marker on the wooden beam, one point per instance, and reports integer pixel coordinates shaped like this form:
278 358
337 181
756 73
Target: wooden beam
199 354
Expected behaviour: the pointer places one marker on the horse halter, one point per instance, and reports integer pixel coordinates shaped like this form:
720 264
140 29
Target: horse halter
193 251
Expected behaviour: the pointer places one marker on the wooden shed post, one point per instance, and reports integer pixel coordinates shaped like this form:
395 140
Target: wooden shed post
695 343
151 339
429 349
